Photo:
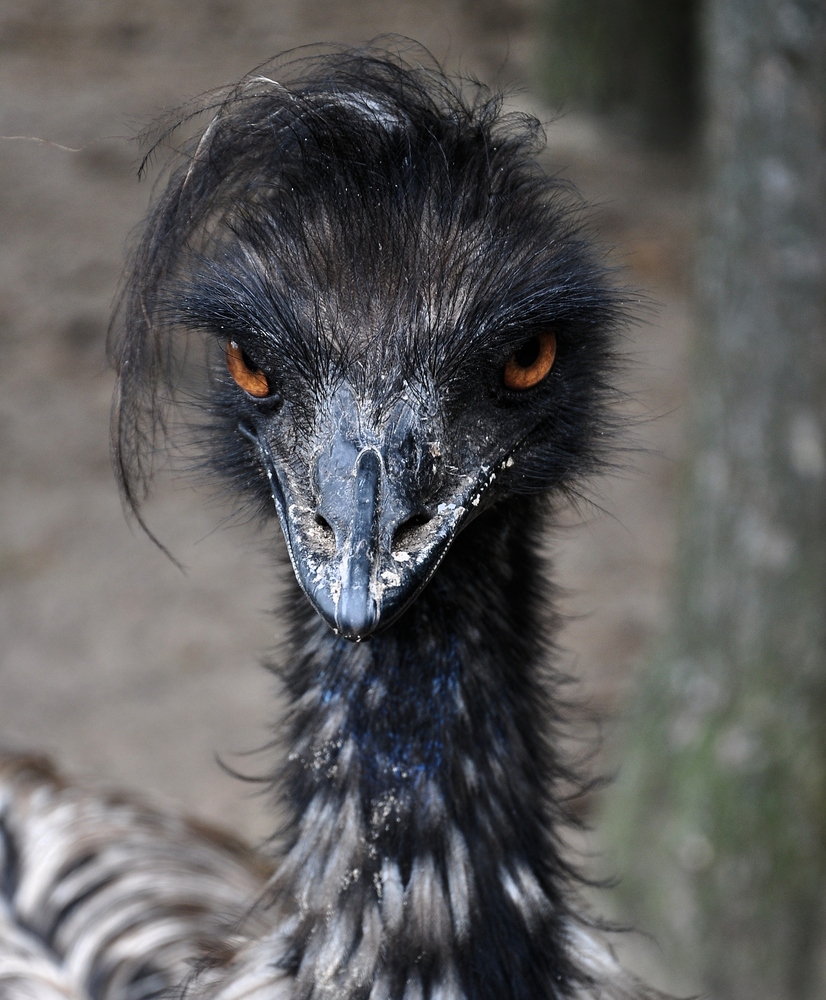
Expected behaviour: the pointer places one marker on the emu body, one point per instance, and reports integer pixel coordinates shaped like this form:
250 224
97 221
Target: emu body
408 348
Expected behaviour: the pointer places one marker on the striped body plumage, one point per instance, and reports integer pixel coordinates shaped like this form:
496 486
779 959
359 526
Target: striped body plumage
105 897
408 344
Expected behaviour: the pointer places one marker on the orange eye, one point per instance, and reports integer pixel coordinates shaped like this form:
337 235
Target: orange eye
528 365
253 381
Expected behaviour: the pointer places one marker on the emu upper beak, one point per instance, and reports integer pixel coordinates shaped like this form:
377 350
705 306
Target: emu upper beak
362 529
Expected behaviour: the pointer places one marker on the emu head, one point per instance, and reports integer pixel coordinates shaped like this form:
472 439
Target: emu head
403 323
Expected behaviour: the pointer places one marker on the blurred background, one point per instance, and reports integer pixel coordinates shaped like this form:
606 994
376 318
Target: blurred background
120 666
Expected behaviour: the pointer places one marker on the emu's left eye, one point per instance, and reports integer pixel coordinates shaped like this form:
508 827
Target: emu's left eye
251 380
529 365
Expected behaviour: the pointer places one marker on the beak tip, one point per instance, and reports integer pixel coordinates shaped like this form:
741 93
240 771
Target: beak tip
356 615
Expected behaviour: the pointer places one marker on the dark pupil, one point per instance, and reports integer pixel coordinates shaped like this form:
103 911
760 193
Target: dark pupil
527 353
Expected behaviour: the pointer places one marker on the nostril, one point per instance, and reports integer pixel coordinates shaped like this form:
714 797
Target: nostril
324 524
416 521
406 532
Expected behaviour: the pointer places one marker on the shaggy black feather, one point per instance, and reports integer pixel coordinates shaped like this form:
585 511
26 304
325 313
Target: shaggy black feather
361 204
366 229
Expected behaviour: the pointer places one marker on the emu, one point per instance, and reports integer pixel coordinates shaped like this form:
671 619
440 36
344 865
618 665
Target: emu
386 329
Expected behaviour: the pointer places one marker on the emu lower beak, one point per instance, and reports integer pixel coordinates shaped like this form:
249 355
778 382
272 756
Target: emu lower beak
368 546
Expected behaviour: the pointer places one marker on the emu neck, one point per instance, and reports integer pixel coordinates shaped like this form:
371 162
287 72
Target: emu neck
419 780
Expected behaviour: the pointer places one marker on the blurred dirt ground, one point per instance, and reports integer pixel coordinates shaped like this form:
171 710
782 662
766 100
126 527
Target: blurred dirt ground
113 661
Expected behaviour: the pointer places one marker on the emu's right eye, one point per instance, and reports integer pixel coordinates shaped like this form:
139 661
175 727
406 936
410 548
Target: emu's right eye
251 380
529 365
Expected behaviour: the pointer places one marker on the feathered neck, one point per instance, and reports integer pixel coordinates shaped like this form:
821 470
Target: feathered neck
420 859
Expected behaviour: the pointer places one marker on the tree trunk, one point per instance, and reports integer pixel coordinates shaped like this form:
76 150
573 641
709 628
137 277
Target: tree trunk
720 811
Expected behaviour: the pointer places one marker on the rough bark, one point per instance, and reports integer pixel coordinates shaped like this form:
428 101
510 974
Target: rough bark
720 813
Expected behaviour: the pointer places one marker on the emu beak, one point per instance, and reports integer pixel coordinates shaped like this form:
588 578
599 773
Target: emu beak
367 542
358 569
